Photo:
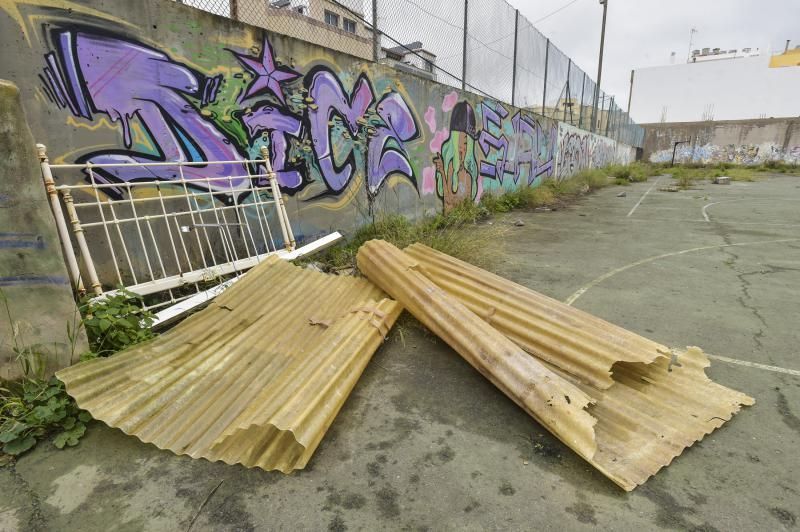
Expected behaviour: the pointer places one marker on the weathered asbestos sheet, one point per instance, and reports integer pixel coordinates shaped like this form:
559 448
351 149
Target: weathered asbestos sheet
646 403
256 378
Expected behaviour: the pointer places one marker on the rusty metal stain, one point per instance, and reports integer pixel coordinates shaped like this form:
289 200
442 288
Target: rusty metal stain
647 403
256 378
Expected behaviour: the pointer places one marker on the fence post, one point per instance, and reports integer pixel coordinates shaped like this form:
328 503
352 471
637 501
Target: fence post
376 36
608 114
566 94
514 68
464 49
546 61
583 93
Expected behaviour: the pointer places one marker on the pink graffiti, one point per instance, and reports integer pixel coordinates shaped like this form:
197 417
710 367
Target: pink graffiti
438 139
428 180
430 118
449 102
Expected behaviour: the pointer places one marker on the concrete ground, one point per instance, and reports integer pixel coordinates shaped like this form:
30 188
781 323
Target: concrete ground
424 442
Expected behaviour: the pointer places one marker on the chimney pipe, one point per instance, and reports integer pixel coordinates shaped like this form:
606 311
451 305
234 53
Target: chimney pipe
787 45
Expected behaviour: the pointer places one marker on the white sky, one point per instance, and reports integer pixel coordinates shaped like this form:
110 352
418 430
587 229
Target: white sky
642 33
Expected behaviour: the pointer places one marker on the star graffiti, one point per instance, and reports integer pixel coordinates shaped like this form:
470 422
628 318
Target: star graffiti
267 77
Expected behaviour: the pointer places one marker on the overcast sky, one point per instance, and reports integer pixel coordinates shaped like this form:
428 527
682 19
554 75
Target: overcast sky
642 33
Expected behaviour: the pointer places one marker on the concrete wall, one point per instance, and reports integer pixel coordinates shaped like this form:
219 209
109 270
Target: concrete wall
733 141
727 89
33 278
578 150
135 81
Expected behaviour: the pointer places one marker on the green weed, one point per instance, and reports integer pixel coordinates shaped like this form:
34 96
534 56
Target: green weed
36 408
115 322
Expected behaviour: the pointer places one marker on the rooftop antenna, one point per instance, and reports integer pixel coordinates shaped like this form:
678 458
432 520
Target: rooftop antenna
691 40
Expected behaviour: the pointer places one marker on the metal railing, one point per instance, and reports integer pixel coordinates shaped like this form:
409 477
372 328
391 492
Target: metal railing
167 239
482 46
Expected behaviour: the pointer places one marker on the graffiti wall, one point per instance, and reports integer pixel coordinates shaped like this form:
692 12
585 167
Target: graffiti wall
578 149
734 142
129 81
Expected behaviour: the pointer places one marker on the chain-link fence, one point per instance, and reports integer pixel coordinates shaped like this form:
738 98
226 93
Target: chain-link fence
483 46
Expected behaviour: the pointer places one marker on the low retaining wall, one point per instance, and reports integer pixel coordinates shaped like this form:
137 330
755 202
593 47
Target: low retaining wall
34 288
729 141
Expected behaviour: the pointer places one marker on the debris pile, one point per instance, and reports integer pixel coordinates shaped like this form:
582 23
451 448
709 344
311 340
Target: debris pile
258 376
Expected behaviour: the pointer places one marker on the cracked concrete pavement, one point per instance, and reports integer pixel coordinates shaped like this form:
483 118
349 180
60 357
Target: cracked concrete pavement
424 442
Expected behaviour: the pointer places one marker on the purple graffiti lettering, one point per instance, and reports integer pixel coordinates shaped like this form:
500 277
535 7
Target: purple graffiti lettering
488 141
278 124
384 157
330 99
126 80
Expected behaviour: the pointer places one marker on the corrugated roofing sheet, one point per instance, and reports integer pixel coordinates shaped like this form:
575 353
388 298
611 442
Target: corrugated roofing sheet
576 341
644 407
556 403
256 378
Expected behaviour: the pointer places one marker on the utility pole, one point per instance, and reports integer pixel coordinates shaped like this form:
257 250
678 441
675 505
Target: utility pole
599 65
630 94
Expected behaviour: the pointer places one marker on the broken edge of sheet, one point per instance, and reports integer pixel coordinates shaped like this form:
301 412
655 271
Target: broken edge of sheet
644 406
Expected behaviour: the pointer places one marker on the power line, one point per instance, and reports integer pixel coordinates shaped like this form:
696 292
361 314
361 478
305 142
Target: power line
565 6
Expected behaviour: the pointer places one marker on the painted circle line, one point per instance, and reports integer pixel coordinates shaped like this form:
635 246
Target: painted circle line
594 282
707 205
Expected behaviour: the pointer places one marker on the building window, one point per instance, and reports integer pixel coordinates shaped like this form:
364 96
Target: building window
331 18
349 25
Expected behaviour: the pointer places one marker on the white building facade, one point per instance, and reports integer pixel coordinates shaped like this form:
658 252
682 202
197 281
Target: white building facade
728 87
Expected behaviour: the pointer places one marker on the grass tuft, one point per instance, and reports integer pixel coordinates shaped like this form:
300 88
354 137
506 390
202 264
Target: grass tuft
459 233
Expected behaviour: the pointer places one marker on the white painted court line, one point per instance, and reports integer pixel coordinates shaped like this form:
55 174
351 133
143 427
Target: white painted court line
707 205
755 365
596 281
676 220
705 213
644 196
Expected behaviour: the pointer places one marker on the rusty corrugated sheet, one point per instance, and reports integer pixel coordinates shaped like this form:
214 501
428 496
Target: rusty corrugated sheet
256 378
645 409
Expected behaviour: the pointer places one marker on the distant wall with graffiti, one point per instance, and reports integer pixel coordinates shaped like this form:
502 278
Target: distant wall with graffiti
729 141
129 81
579 149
